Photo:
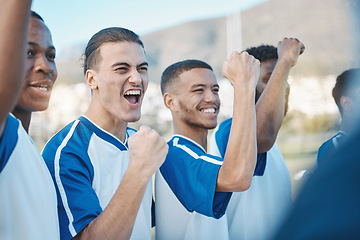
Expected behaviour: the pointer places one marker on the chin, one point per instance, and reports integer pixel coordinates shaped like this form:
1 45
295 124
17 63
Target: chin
43 107
39 107
210 126
133 119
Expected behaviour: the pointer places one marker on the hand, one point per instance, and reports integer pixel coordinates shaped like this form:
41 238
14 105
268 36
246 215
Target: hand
289 49
242 68
147 150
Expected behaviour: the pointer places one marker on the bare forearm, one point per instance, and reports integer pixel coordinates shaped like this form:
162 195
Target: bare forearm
14 17
270 107
117 219
240 158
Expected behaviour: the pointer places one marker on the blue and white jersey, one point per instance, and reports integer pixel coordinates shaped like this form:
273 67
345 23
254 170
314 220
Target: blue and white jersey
187 206
256 213
28 206
328 148
87 164
219 141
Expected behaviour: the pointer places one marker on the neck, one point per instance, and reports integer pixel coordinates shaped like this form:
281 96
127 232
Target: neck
108 123
199 135
23 116
346 125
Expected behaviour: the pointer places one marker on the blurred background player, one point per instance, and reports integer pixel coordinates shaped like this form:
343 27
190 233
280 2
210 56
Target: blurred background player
257 212
346 93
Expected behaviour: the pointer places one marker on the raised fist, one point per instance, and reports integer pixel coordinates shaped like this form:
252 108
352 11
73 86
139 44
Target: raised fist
242 68
147 150
289 49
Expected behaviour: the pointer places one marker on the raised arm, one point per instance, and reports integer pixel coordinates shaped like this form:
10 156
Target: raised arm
14 18
147 152
271 104
237 170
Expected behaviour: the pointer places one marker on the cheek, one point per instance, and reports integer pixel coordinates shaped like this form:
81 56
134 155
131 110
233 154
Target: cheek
145 82
28 69
55 73
218 101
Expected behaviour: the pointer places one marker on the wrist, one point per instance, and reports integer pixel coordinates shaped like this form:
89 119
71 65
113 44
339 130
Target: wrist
286 62
141 173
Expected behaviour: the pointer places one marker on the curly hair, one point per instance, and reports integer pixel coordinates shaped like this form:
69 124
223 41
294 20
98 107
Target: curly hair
263 52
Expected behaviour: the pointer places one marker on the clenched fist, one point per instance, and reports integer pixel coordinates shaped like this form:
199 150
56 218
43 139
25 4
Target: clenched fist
147 150
289 49
242 69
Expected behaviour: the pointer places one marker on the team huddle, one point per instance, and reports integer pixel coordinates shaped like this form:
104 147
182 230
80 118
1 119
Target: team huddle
94 178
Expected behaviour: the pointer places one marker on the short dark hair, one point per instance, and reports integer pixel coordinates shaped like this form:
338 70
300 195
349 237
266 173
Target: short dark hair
35 15
112 34
263 52
346 82
173 71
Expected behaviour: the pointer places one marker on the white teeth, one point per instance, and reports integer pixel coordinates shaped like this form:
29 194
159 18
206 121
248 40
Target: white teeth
209 110
133 92
42 88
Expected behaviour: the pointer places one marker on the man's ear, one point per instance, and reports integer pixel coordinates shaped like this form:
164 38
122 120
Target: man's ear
346 104
91 79
169 101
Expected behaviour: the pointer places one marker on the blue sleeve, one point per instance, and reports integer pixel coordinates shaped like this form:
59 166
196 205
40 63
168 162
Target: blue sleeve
325 150
222 136
73 173
222 139
8 140
193 181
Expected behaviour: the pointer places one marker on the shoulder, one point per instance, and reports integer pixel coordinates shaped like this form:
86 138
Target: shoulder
327 148
68 133
225 124
184 144
220 137
183 149
332 142
72 139
8 140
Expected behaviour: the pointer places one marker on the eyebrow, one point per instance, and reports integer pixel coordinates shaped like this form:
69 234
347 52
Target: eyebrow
34 44
128 65
203 85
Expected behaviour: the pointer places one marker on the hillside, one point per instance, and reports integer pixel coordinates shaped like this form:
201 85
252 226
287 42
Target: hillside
324 26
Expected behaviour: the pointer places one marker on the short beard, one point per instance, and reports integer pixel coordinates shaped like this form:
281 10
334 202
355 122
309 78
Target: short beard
192 123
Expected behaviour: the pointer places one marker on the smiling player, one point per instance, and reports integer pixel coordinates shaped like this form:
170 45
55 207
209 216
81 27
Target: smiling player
192 187
40 72
102 169
27 193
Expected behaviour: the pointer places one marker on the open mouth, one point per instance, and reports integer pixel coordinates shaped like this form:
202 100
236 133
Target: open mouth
133 96
43 88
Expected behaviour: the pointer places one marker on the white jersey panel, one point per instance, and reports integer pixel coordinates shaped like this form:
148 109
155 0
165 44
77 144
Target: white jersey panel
28 205
256 213
110 165
174 222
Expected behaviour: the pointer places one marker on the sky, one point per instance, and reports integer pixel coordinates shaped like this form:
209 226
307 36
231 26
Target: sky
74 21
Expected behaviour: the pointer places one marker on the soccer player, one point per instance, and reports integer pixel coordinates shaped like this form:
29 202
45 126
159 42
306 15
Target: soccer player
257 212
102 169
192 187
346 93
40 74
27 194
